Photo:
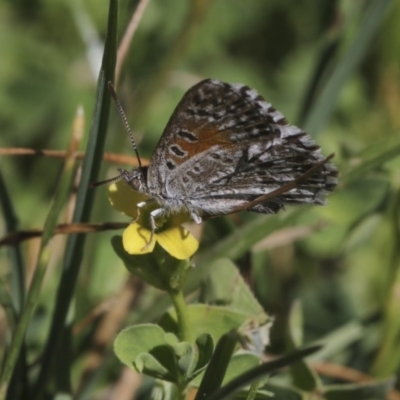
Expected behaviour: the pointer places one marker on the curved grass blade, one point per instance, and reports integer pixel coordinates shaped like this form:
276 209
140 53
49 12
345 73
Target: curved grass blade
327 56
216 369
259 372
60 198
85 197
371 158
241 240
324 105
12 302
360 391
17 264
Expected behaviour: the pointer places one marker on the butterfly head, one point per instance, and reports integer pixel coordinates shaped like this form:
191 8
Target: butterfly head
135 178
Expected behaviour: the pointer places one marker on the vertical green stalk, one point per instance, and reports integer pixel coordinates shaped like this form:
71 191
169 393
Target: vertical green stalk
218 365
180 305
85 199
42 261
253 390
17 269
387 361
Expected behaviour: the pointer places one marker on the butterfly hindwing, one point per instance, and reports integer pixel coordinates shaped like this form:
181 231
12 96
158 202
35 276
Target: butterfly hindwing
225 145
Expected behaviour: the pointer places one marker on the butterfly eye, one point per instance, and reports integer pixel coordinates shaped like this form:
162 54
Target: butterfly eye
136 183
133 178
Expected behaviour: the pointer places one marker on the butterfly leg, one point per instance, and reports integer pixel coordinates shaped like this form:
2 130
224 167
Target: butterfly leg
141 205
196 218
153 215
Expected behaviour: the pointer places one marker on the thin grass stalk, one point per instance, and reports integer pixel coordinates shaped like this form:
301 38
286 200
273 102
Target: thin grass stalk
259 372
17 265
387 360
61 195
325 103
85 198
253 391
128 36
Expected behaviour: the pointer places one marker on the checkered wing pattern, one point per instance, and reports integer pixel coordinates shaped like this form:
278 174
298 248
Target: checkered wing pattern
225 145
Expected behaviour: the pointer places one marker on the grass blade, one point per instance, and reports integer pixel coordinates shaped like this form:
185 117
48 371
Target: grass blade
241 240
60 198
215 372
371 158
17 265
259 372
85 196
324 105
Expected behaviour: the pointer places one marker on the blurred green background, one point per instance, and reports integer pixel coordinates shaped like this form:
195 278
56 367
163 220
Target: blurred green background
332 67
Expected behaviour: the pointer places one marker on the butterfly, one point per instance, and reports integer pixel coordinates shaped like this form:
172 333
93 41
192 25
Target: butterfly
226 149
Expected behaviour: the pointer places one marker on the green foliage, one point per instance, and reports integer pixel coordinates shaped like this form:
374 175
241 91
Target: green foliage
327 275
158 268
154 352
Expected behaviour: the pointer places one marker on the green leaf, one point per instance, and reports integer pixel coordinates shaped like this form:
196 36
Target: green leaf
284 393
147 364
225 286
238 364
361 391
135 340
157 268
295 324
150 350
143 266
215 372
203 318
338 340
205 348
230 247
146 349
185 354
303 376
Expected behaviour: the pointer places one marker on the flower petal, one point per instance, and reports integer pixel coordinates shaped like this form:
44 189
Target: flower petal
178 242
124 199
135 238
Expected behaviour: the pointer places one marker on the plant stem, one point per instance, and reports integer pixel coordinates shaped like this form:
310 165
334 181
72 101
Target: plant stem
61 195
177 392
253 390
19 332
179 303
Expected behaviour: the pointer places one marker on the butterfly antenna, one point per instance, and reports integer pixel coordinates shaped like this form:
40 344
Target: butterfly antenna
116 178
124 120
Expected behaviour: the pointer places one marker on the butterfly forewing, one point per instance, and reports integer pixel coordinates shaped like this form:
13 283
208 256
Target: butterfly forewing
225 145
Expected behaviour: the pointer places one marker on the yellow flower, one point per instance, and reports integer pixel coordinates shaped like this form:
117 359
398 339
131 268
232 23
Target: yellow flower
170 235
